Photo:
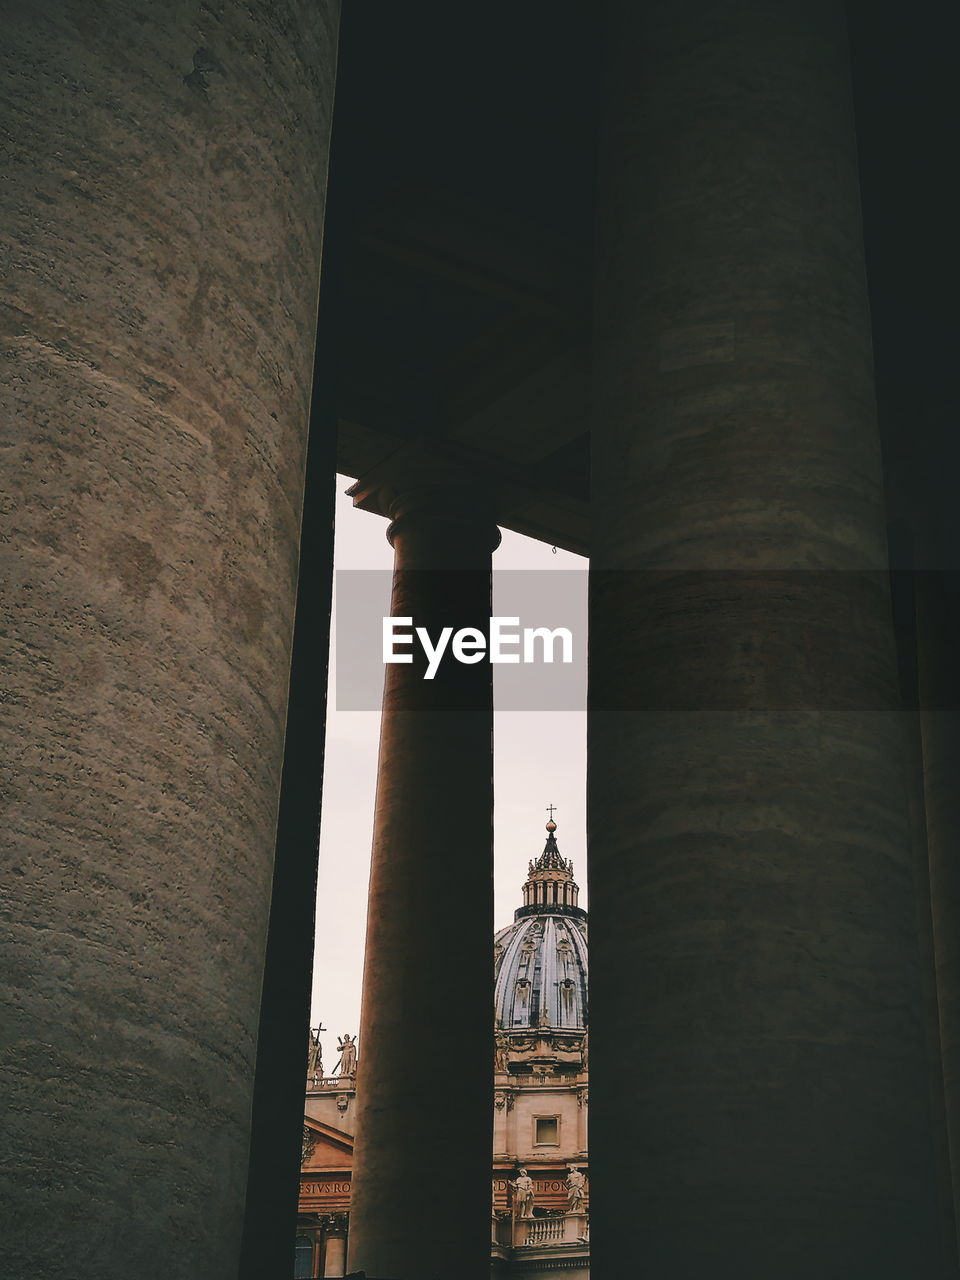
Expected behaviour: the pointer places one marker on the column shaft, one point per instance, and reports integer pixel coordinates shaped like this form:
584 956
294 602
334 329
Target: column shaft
938 645
420 1204
163 225
334 1254
754 957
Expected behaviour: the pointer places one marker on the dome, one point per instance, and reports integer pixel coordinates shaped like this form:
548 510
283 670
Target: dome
540 961
541 974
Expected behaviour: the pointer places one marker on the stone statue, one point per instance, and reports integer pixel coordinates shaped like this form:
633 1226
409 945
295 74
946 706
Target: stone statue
576 1190
347 1066
500 1056
314 1056
523 1195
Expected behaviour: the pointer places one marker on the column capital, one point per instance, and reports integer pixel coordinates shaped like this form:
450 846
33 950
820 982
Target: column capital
418 487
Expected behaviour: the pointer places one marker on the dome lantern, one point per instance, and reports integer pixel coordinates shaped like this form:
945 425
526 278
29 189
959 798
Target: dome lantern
550 888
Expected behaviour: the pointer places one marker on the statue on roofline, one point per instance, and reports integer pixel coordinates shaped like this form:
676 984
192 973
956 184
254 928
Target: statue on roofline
314 1054
347 1066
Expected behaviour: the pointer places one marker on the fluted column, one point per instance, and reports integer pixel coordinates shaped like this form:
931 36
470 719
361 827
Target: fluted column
161 228
754 954
420 1204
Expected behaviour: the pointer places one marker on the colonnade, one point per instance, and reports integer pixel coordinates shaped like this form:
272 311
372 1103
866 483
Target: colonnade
755 954
758 1003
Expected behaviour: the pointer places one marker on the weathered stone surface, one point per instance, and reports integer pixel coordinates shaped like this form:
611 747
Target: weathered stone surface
161 229
754 946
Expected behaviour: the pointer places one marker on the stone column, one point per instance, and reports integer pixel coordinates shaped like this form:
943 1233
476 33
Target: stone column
918 620
938 644
335 1251
754 956
421 1184
161 224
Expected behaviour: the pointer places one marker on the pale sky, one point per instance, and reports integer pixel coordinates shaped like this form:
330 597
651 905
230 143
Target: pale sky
540 759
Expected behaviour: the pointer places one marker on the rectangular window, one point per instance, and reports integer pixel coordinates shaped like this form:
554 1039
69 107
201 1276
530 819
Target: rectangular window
548 1130
303 1258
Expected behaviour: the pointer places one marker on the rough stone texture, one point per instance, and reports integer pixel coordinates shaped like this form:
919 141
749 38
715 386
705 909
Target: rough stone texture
424 1087
755 953
162 230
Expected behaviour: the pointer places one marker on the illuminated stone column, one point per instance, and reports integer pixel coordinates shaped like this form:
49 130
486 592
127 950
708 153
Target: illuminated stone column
335 1250
756 1005
421 1184
161 221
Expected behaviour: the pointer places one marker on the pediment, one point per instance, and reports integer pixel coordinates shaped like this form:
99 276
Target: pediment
325 1146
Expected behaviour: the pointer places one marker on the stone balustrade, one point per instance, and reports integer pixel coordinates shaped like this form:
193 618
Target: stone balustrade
315 1084
565 1228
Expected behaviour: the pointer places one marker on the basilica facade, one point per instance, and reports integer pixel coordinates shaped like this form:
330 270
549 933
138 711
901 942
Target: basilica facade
539 1171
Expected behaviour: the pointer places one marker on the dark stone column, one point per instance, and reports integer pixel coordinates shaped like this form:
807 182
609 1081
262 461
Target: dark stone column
754 952
909 602
911 208
420 1204
162 227
938 644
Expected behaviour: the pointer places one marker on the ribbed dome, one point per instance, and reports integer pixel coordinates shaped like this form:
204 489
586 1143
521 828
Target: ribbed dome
541 973
541 959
